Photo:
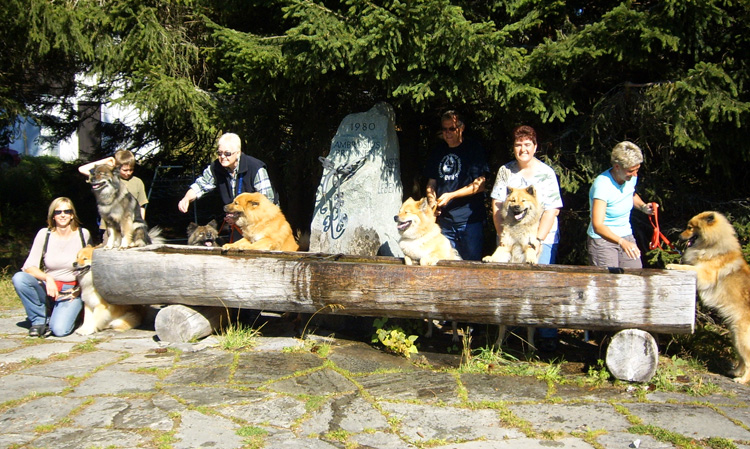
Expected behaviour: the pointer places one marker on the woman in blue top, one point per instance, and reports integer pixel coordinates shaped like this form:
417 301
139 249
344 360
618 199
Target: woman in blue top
611 198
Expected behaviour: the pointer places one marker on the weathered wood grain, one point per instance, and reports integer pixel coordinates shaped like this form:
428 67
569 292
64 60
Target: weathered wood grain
547 296
179 323
632 355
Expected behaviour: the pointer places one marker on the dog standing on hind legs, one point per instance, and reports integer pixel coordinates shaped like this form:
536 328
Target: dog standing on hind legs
520 213
723 278
119 210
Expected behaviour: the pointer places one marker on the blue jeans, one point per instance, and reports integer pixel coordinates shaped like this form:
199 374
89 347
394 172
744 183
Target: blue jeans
34 298
547 257
466 238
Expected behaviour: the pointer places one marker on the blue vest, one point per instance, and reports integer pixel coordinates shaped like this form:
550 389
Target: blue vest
248 168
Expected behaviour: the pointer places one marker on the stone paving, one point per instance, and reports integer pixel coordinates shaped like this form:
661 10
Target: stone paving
128 390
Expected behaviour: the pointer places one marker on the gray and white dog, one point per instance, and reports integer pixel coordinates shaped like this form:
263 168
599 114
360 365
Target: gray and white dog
119 210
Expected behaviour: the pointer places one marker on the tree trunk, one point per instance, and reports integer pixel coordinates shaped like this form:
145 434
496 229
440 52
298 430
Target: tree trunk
577 297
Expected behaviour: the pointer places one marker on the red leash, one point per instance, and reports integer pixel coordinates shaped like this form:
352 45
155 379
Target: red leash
658 238
232 227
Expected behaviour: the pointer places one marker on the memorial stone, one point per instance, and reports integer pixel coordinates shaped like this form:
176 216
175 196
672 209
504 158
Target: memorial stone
360 190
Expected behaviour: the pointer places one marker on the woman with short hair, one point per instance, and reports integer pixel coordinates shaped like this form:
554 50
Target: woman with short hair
611 198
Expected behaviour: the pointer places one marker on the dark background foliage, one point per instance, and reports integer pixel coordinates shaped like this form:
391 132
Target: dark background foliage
668 75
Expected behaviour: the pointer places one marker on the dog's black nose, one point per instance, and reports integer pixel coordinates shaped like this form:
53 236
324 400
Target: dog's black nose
395 218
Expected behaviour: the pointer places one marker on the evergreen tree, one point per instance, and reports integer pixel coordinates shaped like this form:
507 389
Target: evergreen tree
669 75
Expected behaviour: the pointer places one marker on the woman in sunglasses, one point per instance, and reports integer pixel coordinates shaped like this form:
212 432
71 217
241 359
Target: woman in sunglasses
47 283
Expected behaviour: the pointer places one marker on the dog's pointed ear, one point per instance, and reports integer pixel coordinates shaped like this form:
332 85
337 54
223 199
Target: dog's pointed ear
531 190
710 218
509 190
428 206
212 223
191 227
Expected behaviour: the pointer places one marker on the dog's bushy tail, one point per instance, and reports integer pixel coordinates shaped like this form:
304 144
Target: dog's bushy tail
155 235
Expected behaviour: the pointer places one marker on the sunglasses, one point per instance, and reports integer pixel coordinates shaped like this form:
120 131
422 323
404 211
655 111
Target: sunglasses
451 129
224 153
64 211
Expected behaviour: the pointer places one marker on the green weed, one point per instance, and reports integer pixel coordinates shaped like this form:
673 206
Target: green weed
599 374
394 339
237 336
8 297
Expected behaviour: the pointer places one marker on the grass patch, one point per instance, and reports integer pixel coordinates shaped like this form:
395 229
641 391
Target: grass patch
485 359
338 435
599 374
237 336
87 346
681 375
314 403
666 436
254 436
8 297
720 443
165 440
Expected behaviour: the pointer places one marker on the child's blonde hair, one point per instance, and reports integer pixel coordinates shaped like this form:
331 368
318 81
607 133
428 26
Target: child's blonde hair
124 157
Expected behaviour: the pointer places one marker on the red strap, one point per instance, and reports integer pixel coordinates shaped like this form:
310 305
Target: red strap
232 227
658 237
61 284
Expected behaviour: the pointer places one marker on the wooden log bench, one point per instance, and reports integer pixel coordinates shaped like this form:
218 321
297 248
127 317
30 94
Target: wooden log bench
561 296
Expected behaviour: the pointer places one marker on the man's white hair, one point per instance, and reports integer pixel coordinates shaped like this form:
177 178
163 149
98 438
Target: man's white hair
230 142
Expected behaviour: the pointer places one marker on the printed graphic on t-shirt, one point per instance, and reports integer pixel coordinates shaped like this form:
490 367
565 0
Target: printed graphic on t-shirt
450 167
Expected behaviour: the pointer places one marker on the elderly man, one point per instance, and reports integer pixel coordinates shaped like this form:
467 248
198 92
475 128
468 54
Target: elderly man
233 172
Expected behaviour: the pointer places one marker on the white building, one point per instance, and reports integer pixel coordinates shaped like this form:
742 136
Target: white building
28 135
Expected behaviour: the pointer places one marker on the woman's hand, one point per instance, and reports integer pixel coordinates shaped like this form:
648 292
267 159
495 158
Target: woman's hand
630 248
51 286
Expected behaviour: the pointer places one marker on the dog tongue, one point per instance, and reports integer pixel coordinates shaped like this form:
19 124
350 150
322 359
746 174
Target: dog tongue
520 216
404 225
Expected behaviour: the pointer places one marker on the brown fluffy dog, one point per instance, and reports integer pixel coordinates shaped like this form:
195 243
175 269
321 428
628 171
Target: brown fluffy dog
723 278
422 241
98 314
262 223
521 214
420 237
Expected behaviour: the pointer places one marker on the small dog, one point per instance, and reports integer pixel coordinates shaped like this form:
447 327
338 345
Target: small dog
119 210
422 241
98 314
206 235
521 213
262 223
723 278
